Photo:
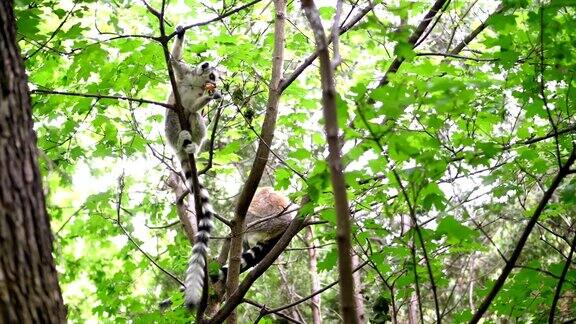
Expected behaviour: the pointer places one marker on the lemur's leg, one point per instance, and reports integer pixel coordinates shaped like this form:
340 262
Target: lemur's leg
185 143
197 124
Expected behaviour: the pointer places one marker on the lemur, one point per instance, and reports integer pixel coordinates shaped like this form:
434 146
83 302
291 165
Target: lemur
268 216
197 87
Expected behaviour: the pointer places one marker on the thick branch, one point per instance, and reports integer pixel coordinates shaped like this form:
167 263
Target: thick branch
175 183
185 125
262 152
308 61
561 281
347 300
236 297
413 39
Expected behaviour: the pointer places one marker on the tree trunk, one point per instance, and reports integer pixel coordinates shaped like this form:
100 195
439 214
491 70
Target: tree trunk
343 224
360 313
315 281
29 290
413 302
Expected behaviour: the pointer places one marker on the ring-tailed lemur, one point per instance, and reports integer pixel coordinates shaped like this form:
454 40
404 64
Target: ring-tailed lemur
197 87
268 216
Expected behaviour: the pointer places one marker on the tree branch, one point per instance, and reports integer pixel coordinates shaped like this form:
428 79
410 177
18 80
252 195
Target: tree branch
99 96
236 297
413 39
561 281
184 125
262 153
562 173
308 61
347 300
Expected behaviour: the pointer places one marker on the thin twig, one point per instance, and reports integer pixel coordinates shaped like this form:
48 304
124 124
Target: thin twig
457 56
119 223
100 96
301 300
212 139
267 310
53 33
155 227
310 59
225 15
336 59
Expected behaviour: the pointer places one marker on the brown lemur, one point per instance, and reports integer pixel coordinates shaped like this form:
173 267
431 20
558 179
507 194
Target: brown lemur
268 216
196 87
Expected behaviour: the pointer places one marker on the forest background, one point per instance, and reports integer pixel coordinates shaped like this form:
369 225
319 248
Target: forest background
455 122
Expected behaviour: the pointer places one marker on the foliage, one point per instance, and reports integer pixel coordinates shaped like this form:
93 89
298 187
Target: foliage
465 141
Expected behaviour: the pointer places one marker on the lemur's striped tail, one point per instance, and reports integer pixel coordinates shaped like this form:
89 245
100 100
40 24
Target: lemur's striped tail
251 257
195 274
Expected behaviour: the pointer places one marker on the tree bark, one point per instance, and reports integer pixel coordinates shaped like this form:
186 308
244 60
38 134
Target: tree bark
315 281
343 226
360 310
262 154
29 291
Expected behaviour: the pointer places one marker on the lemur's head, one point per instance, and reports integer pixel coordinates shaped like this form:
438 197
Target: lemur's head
206 75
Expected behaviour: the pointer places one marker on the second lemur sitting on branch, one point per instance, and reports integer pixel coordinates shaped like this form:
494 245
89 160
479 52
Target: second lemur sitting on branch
196 87
268 216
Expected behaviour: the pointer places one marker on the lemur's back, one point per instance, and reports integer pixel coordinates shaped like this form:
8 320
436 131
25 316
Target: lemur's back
269 214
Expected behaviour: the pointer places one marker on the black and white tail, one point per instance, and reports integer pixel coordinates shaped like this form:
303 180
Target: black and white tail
195 274
251 257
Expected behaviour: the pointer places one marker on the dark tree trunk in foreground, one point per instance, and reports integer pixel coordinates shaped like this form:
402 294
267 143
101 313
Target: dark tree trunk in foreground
29 290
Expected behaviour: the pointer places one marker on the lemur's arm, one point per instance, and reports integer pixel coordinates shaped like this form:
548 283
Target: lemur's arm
176 57
202 101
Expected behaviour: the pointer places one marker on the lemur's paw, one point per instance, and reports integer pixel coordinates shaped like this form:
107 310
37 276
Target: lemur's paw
191 148
184 139
184 135
216 95
180 31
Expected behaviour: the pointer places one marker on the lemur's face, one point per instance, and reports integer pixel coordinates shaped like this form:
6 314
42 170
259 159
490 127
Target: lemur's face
206 76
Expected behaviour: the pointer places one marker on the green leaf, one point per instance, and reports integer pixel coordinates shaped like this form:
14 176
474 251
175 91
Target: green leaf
454 231
327 13
328 262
